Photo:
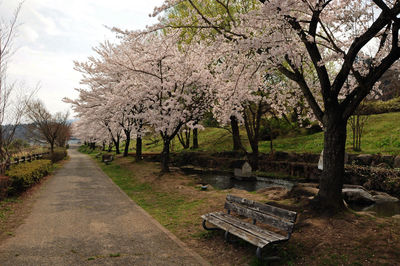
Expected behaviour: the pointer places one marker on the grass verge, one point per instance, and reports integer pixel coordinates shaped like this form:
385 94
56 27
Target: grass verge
176 202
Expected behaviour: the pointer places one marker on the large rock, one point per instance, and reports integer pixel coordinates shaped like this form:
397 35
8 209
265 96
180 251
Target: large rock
396 163
364 159
357 195
381 197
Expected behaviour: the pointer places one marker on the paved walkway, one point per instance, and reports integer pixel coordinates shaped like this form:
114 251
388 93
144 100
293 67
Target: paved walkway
82 218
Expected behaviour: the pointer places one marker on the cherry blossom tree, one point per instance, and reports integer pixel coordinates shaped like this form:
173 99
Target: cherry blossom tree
173 81
320 32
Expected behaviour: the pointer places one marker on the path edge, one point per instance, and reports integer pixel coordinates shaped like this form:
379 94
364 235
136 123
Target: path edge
174 238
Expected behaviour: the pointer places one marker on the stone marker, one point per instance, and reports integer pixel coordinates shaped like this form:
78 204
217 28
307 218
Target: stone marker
321 161
244 172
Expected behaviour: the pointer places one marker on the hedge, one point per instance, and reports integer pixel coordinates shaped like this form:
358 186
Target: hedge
23 176
381 107
58 155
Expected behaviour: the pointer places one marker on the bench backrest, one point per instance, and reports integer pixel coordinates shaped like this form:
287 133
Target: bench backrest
276 217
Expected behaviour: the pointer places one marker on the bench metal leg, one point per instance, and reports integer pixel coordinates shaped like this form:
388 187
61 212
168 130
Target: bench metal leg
209 228
259 253
226 236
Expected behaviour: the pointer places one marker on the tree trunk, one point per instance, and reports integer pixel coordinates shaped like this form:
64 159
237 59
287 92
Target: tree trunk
103 148
195 139
331 182
165 156
235 134
138 148
127 143
254 160
117 151
52 147
110 145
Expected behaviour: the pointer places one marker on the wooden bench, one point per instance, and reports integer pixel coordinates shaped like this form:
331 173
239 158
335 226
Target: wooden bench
107 158
278 218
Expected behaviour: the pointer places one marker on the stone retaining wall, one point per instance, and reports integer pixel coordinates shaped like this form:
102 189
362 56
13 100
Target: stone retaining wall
304 166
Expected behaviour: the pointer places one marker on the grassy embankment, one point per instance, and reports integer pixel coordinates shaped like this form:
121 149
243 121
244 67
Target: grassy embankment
381 135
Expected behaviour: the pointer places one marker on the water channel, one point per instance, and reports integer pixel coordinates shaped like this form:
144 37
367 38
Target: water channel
224 181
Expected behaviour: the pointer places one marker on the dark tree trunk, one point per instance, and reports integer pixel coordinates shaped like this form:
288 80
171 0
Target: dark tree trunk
110 146
138 148
103 148
331 183
184 138
237 145
52 147
127 143
254 160
195 139
116 143
165 156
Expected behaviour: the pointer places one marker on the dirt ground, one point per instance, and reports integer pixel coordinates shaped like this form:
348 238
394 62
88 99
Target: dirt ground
347 239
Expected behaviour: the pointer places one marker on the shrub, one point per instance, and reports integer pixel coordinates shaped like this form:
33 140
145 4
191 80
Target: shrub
58 155
86 149
23 176
4 184
380 107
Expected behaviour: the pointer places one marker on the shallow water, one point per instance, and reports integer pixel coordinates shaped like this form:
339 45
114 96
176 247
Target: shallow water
227 182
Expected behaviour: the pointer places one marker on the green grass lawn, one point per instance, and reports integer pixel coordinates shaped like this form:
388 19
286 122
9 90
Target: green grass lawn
381 135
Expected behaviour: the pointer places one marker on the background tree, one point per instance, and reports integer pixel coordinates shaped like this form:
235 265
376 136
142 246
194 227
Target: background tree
11 104
45 127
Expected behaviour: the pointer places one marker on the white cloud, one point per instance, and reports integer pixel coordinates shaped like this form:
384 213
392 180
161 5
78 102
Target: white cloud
53 33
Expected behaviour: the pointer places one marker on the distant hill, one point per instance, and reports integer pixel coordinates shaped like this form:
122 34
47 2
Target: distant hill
21 132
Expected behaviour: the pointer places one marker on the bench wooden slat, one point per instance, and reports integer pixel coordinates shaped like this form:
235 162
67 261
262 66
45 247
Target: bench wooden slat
253 229
259 216
272 216
235 231
264 208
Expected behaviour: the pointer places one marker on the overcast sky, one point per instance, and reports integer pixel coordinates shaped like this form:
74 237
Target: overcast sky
53 33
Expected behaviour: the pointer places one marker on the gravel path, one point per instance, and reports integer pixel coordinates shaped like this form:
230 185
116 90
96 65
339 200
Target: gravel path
81 217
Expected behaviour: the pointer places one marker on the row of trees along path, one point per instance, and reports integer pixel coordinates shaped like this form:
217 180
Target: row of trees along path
241 59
